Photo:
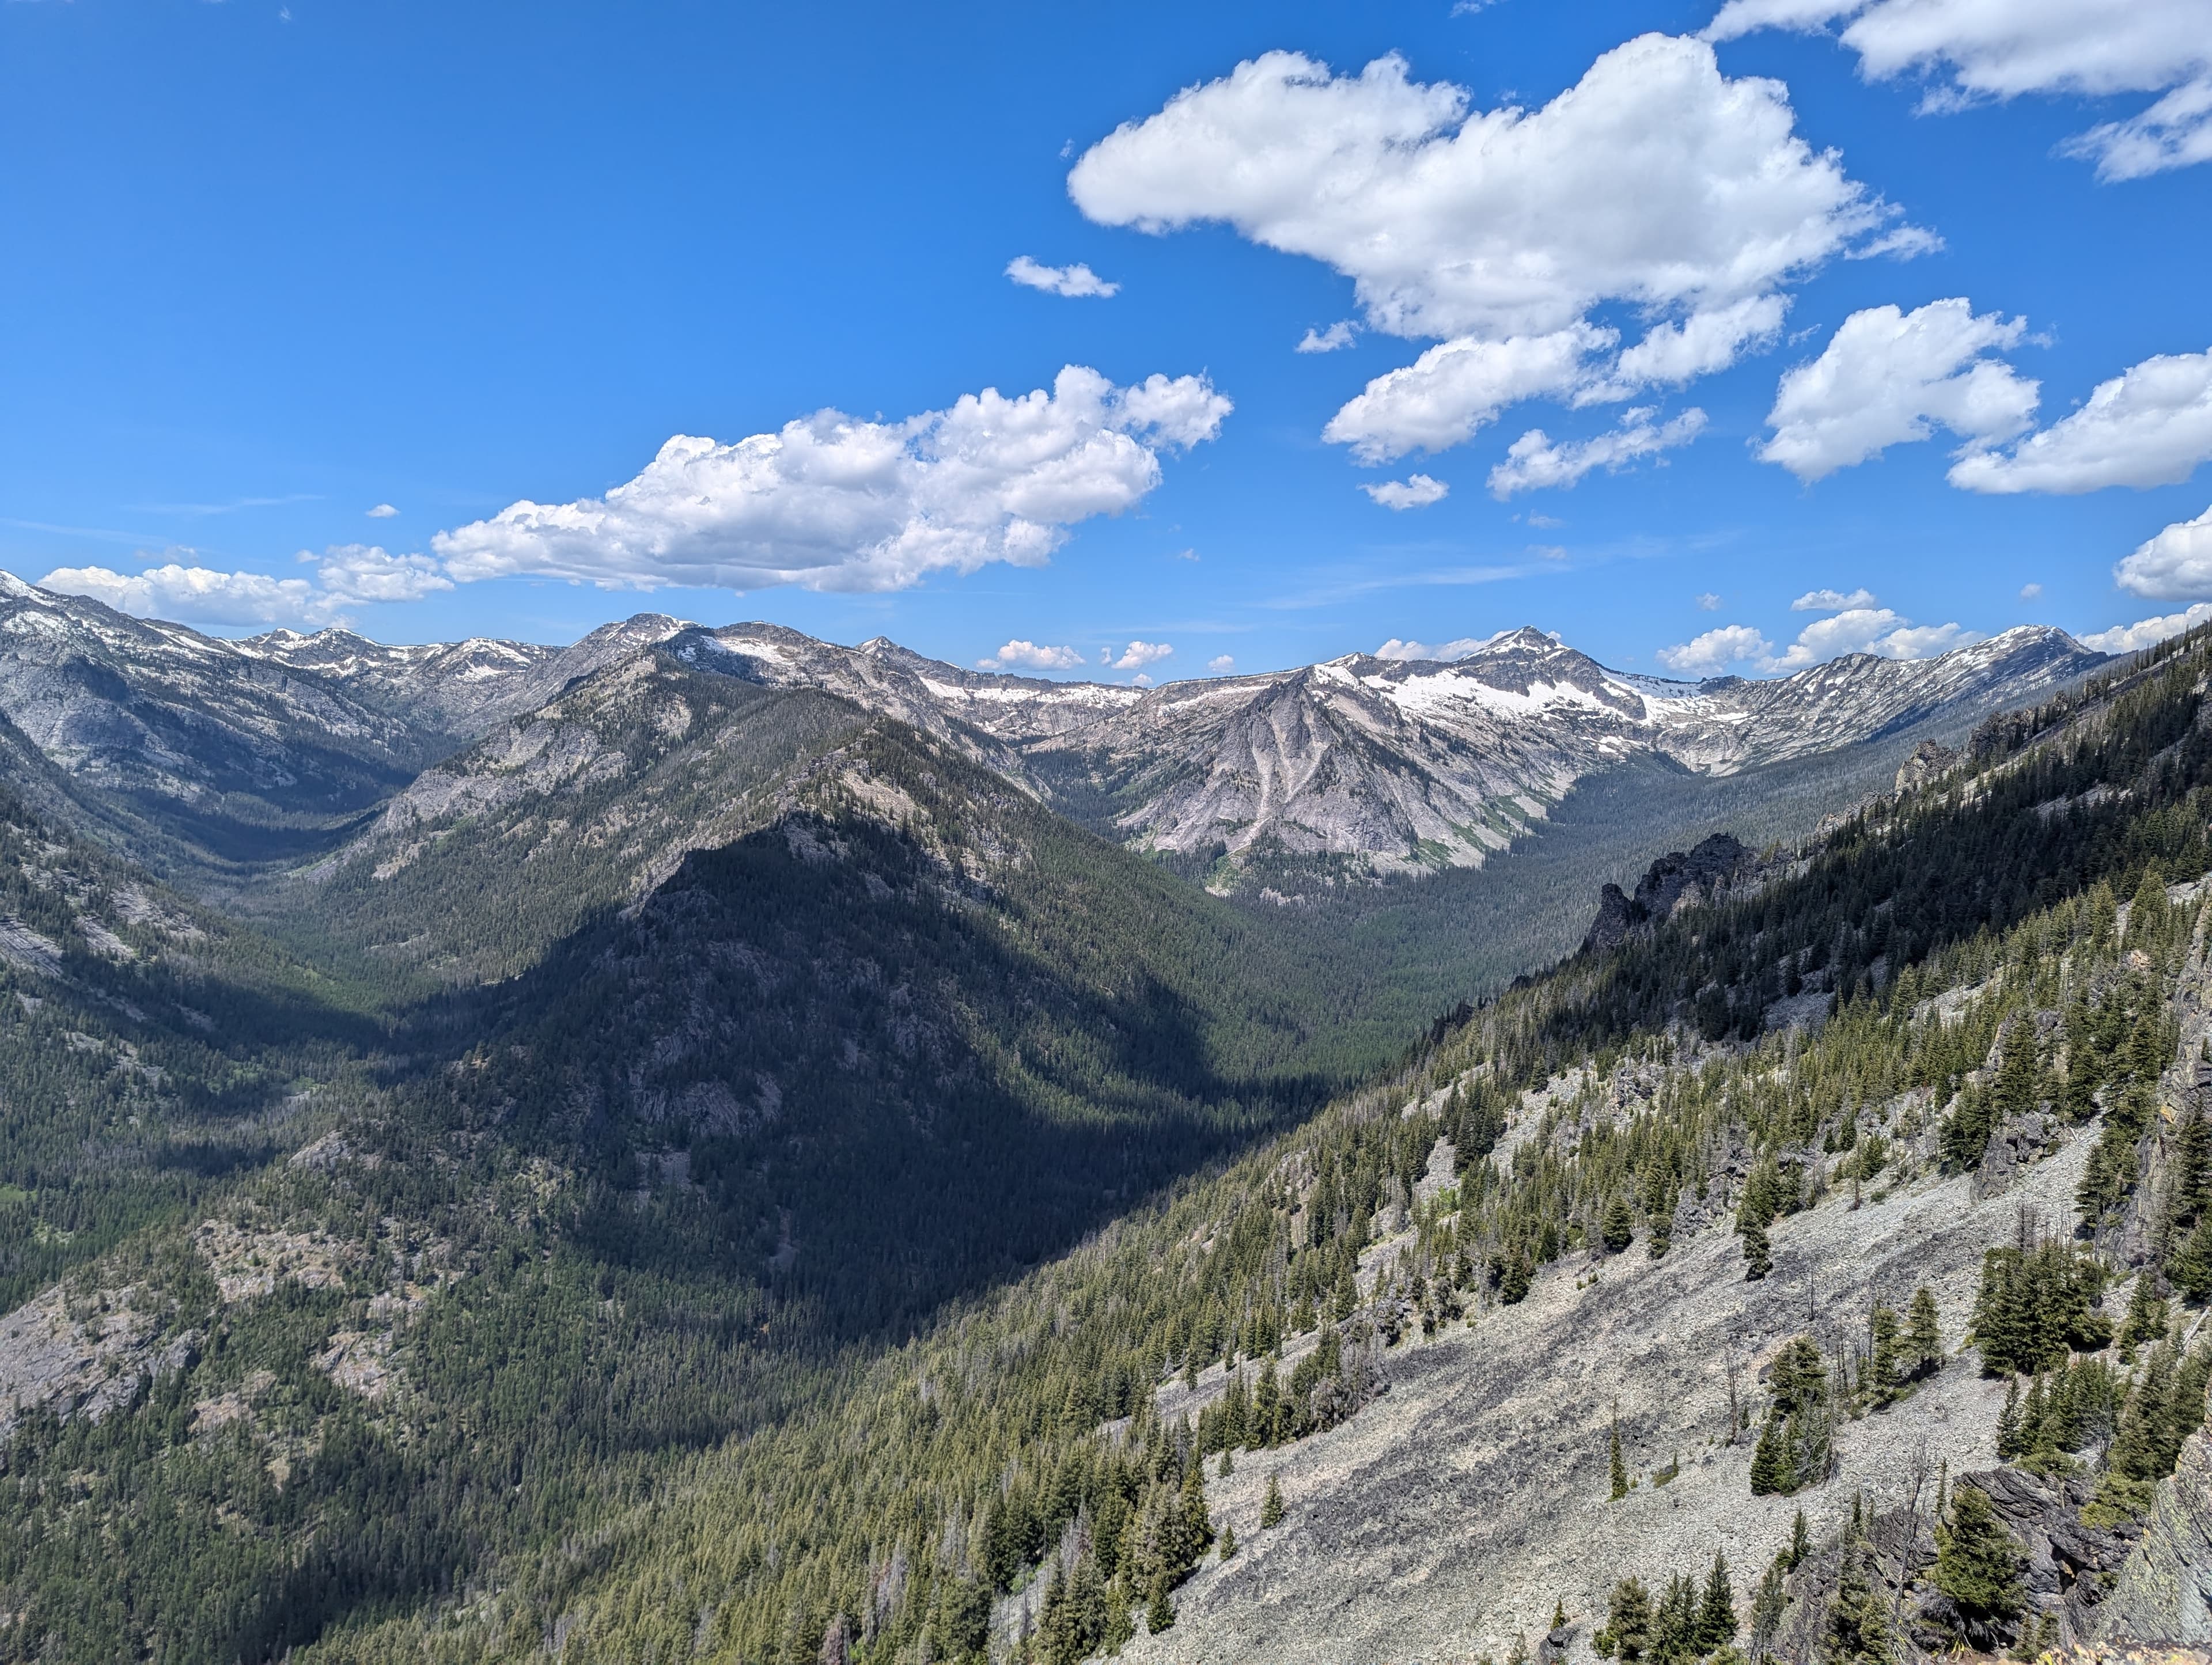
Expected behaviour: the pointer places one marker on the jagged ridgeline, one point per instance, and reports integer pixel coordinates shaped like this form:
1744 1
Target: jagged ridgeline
1652 1260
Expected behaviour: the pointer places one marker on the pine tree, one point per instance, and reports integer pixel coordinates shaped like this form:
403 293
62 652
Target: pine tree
1716 1613
1884 1367
1228 1541
1618 1230
2188 1267
2147 1316
1855 1628
1758 1253
1923 1335
1770 1470
2008 1446
1977 1565
1160 1613
1271 1511
1620 1465
1628 1620
1800 1540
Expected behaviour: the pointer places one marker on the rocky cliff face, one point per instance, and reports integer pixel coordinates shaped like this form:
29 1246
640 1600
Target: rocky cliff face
1676 880
2163 1592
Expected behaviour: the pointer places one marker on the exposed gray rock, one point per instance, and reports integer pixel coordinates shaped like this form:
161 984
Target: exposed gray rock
1717 867
2163 1592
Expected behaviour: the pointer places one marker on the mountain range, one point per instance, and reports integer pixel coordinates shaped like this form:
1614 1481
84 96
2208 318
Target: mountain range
1352 769
711 1144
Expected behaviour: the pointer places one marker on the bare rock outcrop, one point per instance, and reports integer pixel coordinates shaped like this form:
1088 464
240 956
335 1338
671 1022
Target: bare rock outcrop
1678 879
2163 1592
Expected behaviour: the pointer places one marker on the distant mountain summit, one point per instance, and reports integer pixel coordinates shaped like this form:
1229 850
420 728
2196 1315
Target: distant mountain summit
1358 768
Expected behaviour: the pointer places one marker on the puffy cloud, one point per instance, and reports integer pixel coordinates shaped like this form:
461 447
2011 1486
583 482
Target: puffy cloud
2031 592
1414 491
1444 651
1533 462
1716 650
1831 601
2149 426
834 502
1859 629
364 573
382 512
1075 282
1868 630
1889 376
1452 389
346 574
1654 182
2003 48
2147 633
194 595
1221 665
1020 654
1334 338
1138 654
1709 602
1671 354
2173 566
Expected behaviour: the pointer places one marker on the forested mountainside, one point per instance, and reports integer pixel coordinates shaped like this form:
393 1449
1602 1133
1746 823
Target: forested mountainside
533 1336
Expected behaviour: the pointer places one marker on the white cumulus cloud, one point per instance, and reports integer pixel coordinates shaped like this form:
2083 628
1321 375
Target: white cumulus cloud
347 574
1445 651
1414 491
1334 338
1076 282
835 502
1138 654
1440 398
1887 377
1221 665
1534 462
1716 650
2000 49
1831 601
2151 425
382 512
193 595
1019 654
1655 181
2174 565
1858 626
2149 632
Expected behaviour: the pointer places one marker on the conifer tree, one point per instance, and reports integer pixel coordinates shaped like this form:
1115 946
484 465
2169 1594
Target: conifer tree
1628 1622
1758 1253
2189 1266
1618 1230
1884 1369
1271 1511
1855 1628
1159 1611
1717 1613
1923 1335
1770 1470
2008 1446
1977 1565
1228 1464
1228 1541
1800 1540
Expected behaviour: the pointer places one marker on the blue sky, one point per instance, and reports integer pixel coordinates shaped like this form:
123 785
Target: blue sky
272 267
